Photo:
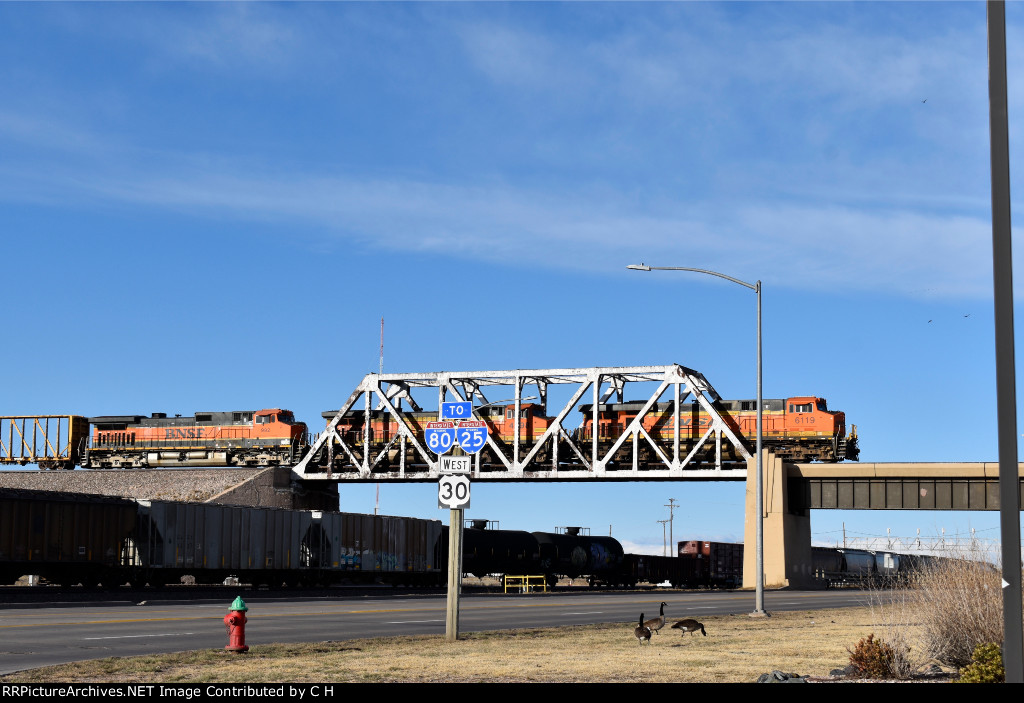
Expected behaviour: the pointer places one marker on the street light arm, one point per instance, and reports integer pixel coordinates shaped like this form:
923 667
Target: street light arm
759 490
645 267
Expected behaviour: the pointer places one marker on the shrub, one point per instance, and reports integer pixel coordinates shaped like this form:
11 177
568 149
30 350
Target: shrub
986 665
964 608
872 659
895 608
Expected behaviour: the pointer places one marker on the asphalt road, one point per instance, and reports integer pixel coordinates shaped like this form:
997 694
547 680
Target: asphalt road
55 633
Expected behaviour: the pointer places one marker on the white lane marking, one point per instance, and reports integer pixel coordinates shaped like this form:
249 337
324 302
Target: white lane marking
592 612
128 637
406 622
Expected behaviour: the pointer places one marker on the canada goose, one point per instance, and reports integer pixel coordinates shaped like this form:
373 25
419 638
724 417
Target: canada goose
641 631
659 622
690 625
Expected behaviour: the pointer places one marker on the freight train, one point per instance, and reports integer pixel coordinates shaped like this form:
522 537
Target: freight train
569 552
720 565
800 429
76 538
71 539
697 564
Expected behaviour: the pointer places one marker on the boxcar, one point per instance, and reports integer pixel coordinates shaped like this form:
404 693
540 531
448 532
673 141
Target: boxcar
724 561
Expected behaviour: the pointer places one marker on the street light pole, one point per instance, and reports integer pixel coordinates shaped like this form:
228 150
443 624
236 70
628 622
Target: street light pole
756 287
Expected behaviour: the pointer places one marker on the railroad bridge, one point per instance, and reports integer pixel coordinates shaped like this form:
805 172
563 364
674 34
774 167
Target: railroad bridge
670 429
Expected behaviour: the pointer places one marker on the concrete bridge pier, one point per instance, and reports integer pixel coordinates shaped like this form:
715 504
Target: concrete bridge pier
787 533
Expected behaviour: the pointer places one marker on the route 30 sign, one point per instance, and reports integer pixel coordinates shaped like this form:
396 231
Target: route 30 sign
453 492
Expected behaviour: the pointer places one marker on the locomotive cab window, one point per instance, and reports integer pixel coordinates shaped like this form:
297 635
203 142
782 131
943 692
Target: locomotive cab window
801 407
264 419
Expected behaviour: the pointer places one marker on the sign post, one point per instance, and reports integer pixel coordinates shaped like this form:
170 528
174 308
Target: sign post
451 622
455 427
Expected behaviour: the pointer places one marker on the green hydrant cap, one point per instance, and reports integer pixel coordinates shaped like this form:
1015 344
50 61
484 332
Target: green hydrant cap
238 604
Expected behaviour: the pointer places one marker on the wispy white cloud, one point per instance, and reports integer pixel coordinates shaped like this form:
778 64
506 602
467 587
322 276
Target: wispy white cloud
801 155
803 246
214 36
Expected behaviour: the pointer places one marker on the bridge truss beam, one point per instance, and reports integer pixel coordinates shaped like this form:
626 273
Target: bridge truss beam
389 443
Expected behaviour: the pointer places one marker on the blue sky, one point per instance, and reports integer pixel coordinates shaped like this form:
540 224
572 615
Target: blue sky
210 206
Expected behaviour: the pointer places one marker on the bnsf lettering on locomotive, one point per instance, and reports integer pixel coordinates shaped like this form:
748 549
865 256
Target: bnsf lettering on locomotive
176 433
685 421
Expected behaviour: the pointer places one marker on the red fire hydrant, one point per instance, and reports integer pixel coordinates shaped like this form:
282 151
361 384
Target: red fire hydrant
235 622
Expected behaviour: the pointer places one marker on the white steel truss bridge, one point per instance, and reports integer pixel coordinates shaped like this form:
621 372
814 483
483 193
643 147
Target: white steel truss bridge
673 431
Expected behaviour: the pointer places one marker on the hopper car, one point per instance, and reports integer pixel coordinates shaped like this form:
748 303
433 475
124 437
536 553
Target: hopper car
70 539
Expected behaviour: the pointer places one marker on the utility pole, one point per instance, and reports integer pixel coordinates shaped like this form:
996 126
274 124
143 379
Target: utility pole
671 538
664 546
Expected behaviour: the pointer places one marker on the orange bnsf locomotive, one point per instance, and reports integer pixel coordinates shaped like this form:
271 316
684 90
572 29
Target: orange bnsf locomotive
236 438
500 421
798 429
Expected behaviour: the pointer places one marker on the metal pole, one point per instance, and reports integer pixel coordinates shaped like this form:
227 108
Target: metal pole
671 517
759 588
664 546
1006 395
451 627
756 287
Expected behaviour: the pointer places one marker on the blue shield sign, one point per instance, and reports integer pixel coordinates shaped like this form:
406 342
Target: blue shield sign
440 436
472 435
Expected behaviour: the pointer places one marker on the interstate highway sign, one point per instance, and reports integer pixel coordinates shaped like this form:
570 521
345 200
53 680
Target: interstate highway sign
472 435
440 436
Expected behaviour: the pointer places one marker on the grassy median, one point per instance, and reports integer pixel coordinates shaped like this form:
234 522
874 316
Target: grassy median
737 648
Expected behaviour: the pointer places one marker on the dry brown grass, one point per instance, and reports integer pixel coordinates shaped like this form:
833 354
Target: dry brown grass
738 648
941 613
965 609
